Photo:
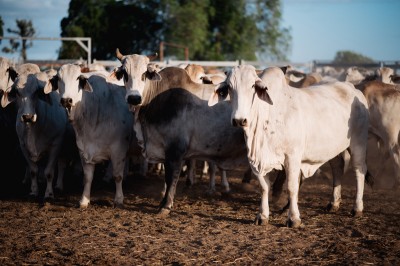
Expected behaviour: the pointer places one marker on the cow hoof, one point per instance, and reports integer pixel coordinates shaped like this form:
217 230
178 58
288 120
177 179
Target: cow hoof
210 192
226 194
83 206
163 212
332 208
118 205
293 224
356 214
260 220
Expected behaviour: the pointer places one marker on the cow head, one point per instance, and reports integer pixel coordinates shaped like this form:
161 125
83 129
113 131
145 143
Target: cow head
135 70
70 84
26 90
243 86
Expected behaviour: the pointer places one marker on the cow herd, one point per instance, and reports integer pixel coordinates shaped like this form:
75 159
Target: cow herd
277 124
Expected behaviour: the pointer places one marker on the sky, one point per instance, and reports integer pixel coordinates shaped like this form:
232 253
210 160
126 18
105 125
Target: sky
319 28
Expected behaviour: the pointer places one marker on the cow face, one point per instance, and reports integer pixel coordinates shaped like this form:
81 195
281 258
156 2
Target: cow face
26 90
243 86
135 70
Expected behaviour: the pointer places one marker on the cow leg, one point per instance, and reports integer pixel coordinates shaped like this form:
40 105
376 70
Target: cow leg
293 176
33 172
358 154
61 166
395 153
277 187
247 176
204 170
191 172
118 166
212 167
88 171
224 181
337 164
173 165
263 215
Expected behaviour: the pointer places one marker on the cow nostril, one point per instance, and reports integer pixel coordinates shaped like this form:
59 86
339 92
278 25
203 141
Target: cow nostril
69 100
134 99
239 122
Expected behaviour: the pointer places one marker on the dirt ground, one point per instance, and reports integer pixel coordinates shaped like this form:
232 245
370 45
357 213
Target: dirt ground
202 229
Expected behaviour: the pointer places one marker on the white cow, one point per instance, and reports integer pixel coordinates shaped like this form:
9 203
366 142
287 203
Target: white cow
102 123
297 130
40 125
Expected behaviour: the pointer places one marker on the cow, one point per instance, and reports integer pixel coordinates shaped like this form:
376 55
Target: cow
299 79
40 125
102 122
170 118
297 130
198 75
384 102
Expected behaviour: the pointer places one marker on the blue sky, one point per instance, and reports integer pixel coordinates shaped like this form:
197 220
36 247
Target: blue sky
319 28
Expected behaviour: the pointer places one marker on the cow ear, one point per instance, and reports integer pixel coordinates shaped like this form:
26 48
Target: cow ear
8 97
12 73
219 95
152 72
84 84
51 85
206 80
284 69
262 91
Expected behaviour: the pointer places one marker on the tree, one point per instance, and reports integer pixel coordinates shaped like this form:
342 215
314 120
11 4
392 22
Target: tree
130 26
211 29
273 41
25 29
351 57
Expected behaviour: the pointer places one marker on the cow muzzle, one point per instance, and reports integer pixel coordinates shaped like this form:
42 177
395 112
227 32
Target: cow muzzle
239 122
66 102
28 118
134 100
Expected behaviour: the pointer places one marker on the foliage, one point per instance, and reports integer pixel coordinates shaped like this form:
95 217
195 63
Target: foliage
351 57
211 29
25 29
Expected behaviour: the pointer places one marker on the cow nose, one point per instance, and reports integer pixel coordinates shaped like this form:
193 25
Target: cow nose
27 118
239 122
66 102
134 99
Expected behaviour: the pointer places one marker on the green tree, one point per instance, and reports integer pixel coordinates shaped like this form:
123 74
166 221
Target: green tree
186 24
232 32
130 26
351 57
211 29
273 41
25 29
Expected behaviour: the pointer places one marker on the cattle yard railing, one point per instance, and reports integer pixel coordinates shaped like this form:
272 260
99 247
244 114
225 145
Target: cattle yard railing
305 67
395 65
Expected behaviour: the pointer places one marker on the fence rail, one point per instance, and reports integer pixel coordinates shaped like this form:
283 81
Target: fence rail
306 67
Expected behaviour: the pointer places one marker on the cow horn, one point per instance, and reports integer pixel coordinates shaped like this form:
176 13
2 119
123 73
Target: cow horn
153 56
119 55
